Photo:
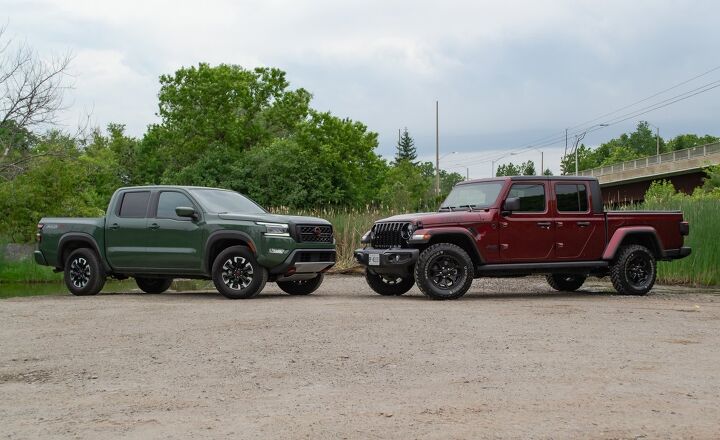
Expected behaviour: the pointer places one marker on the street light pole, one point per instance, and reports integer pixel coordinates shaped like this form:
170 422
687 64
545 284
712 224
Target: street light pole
578 138
437 149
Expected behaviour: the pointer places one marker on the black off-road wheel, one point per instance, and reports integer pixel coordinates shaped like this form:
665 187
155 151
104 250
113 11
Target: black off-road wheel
153 285
566 282
634 271
388 285
301 287
444 271
237 274
84 273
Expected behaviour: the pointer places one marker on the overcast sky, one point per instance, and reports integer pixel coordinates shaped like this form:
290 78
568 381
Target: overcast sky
505 73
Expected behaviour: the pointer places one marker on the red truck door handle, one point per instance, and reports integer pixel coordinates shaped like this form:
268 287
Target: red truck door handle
114 226
154 226
544 224
583 224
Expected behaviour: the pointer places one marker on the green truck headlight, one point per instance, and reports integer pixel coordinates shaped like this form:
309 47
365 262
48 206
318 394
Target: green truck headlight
276 229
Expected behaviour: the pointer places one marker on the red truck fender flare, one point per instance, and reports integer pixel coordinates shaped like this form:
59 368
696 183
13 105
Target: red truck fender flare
430 233
647 232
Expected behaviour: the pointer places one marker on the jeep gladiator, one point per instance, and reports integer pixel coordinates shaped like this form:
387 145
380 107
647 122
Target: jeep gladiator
517 226
157 233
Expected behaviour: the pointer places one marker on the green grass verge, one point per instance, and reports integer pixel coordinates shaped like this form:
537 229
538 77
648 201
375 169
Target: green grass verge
702 267
26 271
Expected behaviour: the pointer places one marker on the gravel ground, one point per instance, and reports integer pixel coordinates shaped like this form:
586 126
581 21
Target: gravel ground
510 360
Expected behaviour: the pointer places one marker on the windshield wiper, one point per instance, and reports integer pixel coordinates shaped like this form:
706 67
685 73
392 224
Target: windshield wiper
449 208
470 207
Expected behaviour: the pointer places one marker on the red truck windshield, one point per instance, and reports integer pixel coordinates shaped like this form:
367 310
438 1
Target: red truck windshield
475 195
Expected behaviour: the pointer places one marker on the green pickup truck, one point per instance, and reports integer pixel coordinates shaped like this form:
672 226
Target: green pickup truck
157 233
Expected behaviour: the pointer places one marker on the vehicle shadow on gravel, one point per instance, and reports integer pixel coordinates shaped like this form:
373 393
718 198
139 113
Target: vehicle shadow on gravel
480 296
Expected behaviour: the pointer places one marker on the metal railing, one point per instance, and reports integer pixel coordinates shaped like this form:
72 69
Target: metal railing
673 156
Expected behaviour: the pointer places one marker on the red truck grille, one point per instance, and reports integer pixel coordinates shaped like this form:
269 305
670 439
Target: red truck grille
390 234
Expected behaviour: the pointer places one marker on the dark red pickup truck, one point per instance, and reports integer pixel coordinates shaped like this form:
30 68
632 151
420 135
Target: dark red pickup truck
518 226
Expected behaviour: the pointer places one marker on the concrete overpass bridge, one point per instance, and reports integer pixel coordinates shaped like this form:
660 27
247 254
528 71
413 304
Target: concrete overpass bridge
627 182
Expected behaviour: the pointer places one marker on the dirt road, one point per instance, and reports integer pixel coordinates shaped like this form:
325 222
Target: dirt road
510 360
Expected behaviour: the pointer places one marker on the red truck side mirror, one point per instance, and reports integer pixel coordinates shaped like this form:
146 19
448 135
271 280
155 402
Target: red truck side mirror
511 204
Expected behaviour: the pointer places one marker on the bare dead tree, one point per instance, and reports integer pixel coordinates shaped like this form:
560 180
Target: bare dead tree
31 90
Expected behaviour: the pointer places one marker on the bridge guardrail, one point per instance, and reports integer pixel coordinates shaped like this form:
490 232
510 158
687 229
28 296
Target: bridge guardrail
673 156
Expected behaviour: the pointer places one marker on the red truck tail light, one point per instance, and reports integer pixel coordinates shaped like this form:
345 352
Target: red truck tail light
684 228
38 235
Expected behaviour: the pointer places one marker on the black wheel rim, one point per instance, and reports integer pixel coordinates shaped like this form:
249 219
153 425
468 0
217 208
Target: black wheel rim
237 273
79 272
303 282
445 272
390 280
638 269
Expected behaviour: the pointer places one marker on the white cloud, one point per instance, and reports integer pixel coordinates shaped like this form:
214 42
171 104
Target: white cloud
505 72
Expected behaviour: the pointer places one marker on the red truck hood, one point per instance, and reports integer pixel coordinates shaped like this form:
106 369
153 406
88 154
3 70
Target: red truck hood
430 219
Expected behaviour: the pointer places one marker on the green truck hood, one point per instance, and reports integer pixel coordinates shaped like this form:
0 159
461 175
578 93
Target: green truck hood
275 218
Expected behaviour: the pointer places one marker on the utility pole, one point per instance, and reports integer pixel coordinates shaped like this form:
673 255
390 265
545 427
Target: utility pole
467 173
577 141
542 165
437 149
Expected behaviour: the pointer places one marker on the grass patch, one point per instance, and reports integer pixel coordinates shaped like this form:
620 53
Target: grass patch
702 267
26 271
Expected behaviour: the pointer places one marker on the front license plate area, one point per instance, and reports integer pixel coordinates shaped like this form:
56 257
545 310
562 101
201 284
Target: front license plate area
374 260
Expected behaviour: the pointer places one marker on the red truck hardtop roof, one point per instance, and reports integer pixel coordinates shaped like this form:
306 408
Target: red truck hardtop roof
534 178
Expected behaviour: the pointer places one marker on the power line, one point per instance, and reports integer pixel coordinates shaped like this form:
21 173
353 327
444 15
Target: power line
622 118
553 139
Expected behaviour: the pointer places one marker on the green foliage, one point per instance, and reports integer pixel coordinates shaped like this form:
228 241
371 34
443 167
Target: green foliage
405 148
510 169
406 187
661 192
62 181
684 141
711 183
223 110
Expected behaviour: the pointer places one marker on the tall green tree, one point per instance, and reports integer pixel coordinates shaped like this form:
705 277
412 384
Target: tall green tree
406 148
222 111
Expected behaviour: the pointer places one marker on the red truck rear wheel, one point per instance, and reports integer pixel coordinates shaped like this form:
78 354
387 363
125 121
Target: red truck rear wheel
634 271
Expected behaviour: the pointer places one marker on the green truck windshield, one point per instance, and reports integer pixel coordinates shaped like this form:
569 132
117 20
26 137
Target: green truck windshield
219 201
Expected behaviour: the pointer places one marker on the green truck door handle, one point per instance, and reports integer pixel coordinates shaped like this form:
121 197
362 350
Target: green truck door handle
154 226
